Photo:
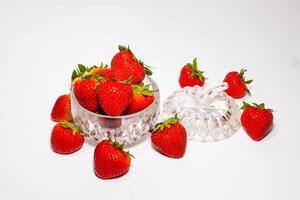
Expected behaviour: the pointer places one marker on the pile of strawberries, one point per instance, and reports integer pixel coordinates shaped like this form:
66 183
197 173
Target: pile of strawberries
256 120
113 91
120 90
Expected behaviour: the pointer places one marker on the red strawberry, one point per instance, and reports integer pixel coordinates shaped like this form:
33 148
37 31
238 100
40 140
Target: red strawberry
125 66
237 85
62 109
256 120
85 92
142 98
114 97
110 160
85 84
190 75
170 138
65 138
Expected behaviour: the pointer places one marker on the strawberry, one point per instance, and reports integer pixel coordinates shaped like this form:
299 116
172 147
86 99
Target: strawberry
125 66
85 92
190 75
237 85
114 97
62 109
65 138
110 160
142 98
256 120
84 87
170 138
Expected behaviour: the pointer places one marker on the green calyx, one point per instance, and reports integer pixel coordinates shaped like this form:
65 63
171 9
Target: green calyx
196 73
142 89
69 125
84 72
124 48
254 105
167 123
120 147
102 65
147 68
242 77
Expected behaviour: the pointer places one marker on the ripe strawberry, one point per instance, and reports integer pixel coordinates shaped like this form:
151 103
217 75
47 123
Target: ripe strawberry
125 66
170 138
237 85
256 120
114 97
65 138
85 92
62 109
110 160
84 86
190 75
142 98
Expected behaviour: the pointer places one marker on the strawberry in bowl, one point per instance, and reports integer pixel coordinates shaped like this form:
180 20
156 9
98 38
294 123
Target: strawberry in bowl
119 103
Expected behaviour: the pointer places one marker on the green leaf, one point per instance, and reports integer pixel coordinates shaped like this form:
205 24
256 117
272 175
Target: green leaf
119 146
245 105
143 89
148 71
196 73
74 75
82 68
147 93
248 91
262 105
121 48
69 125
255 105
124 48
195 63
242 72
248 82
167 123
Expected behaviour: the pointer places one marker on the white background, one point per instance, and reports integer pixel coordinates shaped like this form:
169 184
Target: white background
41 42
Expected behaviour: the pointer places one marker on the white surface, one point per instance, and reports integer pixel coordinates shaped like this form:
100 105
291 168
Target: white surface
41 42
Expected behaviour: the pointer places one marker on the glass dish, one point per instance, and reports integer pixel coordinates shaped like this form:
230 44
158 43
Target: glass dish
207 115
128 129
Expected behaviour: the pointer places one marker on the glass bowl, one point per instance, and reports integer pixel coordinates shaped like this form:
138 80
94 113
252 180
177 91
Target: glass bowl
207 114
127 129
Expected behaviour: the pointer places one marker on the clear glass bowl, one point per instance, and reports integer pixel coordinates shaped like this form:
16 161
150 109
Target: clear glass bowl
128 129
207 115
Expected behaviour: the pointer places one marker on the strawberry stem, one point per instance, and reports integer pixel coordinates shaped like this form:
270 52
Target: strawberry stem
167 123
143 89
254 105
124 48
120 146
69 125
195 71
242 77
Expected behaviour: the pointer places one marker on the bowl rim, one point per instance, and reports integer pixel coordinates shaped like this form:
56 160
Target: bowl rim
156 94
